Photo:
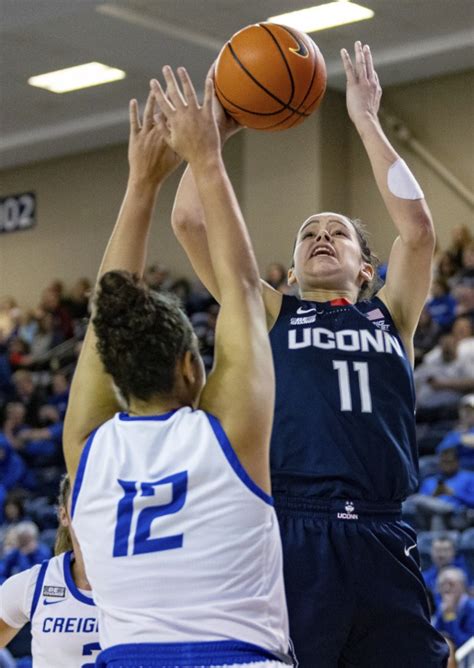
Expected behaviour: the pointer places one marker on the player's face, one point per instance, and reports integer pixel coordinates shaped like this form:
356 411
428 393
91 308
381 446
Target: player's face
327 255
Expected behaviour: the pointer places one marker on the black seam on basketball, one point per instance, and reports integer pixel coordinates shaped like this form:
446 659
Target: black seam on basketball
257 82
290 74
305 113
249 111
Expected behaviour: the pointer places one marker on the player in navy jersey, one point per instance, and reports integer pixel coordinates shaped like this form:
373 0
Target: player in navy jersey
343 451
171 498
56 598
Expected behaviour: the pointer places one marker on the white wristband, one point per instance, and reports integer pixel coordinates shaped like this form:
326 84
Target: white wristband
401 182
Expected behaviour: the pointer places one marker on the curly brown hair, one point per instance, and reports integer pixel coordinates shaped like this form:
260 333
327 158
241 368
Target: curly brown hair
141 335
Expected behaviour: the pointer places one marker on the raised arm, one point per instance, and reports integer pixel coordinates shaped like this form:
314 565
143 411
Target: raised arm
189 223
240 390
409 267
92 399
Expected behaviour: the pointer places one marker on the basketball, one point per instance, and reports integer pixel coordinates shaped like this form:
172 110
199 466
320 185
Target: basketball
270 77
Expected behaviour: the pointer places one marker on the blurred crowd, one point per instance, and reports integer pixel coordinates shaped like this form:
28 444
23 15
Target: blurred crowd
39 347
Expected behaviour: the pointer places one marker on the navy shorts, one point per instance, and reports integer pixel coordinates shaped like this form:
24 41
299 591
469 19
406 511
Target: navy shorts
354 588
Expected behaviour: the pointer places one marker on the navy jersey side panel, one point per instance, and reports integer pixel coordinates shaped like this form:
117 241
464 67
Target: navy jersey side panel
344 422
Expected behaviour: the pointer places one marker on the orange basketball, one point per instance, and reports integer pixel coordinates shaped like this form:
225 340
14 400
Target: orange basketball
270 77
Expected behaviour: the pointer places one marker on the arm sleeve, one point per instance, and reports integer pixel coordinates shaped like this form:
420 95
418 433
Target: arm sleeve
16 595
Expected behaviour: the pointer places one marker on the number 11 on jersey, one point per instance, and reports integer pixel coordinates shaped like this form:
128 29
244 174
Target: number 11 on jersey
343 376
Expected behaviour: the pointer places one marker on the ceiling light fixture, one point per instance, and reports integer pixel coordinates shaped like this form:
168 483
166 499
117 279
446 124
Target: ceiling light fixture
74 78
325 16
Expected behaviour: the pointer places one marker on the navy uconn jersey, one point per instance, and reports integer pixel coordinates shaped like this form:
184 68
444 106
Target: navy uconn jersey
344 422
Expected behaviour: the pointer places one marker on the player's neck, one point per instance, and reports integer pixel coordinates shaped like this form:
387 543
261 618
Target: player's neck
79 572
155 407
322 295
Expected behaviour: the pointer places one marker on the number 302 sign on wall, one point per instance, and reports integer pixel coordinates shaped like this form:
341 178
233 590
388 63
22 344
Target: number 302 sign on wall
17 212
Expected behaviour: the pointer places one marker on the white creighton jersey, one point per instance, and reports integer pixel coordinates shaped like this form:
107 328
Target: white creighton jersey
180 545
63 618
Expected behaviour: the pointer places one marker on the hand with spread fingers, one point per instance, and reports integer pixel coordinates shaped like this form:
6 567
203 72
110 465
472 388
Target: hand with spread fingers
150 157
363 88
226 124
190 129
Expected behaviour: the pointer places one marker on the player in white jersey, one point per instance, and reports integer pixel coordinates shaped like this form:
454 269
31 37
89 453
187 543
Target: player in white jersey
56 598
171 498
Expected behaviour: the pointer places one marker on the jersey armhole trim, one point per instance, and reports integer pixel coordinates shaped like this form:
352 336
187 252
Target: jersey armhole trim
71 585
233 460
38 588
81 470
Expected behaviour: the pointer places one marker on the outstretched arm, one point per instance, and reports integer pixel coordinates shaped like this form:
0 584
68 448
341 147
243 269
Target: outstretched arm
189 224
409 267
240 390
92 399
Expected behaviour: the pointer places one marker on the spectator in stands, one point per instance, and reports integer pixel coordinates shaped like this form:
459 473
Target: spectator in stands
59 392
443 553
42 445
9 317
28 326
14 421
466 273
77 302
462 438
442 305
443 499
446 268
28 551
455 615
12 467
45 336
13 513
157 277
464 295
433 400
19 354
62 321
276 275
28 394
182 289
426 335
14 509
461 238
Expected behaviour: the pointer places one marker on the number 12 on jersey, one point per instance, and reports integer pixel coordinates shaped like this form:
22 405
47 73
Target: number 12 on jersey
361 369
149 512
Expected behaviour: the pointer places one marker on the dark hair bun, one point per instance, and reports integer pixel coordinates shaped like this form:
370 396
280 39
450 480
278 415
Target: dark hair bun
140 334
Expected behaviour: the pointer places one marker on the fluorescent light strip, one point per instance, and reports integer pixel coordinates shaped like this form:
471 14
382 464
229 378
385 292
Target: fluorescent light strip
74 78
323 17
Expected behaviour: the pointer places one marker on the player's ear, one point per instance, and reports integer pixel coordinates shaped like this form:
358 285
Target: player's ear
188 368
291 276
63 517
366 273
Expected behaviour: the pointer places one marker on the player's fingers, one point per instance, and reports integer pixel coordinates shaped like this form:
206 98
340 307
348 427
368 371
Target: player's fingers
348 67
369 63
359 61
162 100
172 88
161 127
134 117
208 94
149 111
188 88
